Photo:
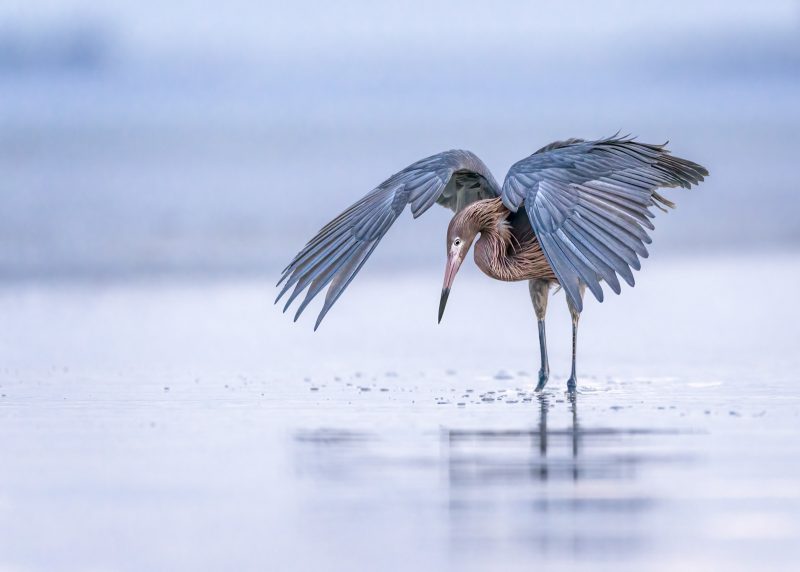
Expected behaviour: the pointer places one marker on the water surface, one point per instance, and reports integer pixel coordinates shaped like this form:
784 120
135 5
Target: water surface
192 426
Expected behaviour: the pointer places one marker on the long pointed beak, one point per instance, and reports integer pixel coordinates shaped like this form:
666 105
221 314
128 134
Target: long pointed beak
453 264
443 302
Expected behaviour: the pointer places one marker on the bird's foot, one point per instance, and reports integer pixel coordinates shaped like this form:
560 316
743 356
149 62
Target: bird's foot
544 375
572 384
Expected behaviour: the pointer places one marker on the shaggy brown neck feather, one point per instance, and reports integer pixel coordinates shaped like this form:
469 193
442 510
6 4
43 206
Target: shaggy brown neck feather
502 252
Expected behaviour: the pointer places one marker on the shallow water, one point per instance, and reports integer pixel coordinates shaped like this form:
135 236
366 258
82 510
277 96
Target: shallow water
191 426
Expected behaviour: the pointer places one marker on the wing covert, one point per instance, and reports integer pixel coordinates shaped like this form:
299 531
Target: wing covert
589 204
334 256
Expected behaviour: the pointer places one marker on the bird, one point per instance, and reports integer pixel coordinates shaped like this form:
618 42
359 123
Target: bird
572 215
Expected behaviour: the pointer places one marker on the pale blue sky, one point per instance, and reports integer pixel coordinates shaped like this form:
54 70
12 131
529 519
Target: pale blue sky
254 29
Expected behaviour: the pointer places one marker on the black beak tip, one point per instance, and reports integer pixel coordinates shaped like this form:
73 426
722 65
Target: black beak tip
443 303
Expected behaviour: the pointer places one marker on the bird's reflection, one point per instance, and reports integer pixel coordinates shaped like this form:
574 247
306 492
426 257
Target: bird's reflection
479 454
552 484
557 447
557 484
541 437
573 402
543 407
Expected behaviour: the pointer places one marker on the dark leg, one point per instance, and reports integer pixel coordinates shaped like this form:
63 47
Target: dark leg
539 290
544 369
572 382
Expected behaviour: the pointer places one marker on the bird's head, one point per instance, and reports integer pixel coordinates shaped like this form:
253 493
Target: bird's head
461 233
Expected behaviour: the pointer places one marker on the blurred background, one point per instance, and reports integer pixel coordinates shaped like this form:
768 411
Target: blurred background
160 163
141 138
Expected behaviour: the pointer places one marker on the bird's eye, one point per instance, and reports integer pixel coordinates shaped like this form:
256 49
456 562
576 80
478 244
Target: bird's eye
457 242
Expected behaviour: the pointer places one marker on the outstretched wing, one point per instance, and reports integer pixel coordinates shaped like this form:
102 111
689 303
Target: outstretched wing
589 204
338 251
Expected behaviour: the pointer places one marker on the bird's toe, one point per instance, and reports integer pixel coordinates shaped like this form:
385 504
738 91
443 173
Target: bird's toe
572 385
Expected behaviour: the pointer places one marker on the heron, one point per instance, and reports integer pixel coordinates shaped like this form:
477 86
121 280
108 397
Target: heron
573 215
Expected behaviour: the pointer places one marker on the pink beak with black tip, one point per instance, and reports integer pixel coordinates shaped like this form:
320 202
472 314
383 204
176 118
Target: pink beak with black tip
453 264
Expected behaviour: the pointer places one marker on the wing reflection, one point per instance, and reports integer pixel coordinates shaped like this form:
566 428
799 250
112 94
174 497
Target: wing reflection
557 485
573 452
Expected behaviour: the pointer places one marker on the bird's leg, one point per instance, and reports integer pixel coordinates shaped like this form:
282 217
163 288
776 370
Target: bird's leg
572 382
539 290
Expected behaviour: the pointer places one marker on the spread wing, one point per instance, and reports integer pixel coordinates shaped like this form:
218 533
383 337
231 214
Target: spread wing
338 251
589 204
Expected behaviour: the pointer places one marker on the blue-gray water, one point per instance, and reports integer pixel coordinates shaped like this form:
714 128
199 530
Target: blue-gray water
193 427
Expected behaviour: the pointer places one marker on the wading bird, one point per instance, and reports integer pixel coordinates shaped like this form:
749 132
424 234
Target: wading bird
573 214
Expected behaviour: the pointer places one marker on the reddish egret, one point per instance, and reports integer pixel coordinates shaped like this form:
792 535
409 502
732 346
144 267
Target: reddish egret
573 214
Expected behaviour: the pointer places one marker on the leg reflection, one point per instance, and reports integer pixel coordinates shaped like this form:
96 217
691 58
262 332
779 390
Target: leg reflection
573 402
544 405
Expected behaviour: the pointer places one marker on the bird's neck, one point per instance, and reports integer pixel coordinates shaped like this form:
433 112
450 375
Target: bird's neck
492 250
499 252
492 256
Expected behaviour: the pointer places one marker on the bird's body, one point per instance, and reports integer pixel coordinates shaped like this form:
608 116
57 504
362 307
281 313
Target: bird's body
575 213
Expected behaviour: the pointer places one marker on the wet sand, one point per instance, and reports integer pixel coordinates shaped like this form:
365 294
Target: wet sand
191 426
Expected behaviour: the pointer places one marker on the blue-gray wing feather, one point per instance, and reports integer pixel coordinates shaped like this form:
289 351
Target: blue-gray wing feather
589 204
334 256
